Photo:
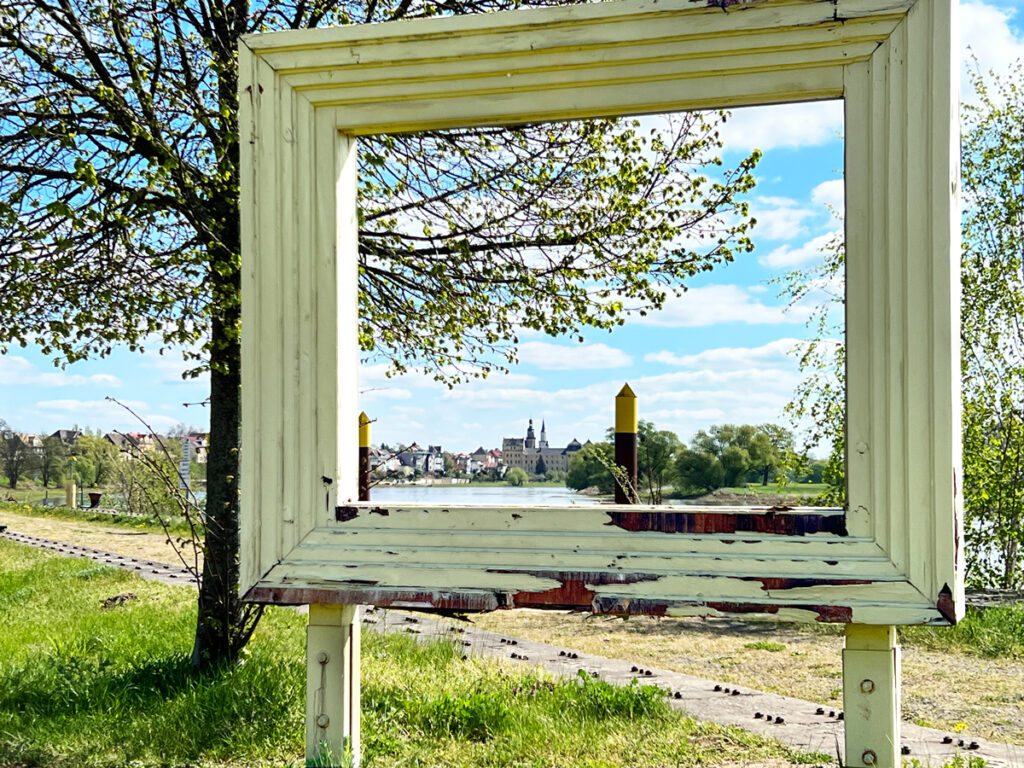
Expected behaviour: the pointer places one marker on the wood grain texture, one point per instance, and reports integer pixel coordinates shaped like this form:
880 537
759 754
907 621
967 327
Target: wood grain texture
894 557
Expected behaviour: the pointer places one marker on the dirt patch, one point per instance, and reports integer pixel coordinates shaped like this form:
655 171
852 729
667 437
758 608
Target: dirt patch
942 690
124 541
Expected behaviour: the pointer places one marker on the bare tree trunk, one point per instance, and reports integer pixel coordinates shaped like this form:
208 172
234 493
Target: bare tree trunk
219 604
221 625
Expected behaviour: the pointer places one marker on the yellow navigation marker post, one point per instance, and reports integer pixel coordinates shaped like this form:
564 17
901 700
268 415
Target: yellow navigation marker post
626 446
364 457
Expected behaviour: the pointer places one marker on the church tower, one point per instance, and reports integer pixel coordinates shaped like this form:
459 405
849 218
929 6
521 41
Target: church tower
543 436
531 439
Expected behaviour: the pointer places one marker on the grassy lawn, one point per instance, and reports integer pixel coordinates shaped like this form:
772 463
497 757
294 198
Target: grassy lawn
33 494
953 678
175 524
83 685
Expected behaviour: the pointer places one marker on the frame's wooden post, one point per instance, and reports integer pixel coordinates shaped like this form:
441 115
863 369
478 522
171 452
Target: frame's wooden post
332 686
871 696
364 457
626 445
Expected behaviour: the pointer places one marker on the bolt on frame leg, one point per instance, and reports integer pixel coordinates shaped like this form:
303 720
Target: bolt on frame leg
871 696
332 686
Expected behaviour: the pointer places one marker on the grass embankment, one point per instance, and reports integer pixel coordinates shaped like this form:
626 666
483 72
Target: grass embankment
965 677
175 525
83 685
33 494
752 493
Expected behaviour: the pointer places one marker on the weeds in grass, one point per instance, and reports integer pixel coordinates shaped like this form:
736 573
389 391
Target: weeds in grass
765 645
992 632
81 685
957 761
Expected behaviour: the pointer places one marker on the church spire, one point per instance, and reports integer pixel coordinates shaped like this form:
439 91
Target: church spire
543 435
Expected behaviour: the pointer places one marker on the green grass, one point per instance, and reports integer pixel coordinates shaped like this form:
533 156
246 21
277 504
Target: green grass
802 491
765 645
33 494
996 632
175 525
85 686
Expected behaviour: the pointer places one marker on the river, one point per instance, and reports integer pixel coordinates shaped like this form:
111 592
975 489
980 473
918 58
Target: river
479 495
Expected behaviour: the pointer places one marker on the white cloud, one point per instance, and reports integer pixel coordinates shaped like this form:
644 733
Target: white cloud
19 372
384 393
373 380
105 414
172 364
784 256
783 125
715 304
497 397
779 218
985 35
560 357
831 193
728 357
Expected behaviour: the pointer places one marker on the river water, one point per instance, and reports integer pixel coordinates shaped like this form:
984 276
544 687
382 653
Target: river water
479 495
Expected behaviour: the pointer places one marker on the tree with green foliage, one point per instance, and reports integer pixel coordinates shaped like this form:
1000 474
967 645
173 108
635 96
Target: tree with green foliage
589 467
450 468
735 465
768 450
698 470
541 468
992 338
16 457
992 334
656 453
818 407
52 461
102 458
119 217
746 448
517 477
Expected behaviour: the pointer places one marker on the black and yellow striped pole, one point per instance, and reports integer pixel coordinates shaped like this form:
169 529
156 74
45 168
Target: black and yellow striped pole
364 457
626 446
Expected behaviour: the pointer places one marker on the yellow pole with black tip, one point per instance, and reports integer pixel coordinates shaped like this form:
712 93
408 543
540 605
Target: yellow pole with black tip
364 457
626 458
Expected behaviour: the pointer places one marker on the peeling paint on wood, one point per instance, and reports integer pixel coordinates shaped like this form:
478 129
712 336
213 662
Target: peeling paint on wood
755 520
899 544
460 557
575 590
421 600
945 605
344 514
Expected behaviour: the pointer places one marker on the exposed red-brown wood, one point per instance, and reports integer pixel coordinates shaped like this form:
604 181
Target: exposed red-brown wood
574 590
728 522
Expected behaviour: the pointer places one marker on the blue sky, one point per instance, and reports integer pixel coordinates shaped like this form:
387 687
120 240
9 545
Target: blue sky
717 354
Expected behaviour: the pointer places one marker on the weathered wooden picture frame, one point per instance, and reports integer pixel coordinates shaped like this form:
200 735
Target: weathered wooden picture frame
893 557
